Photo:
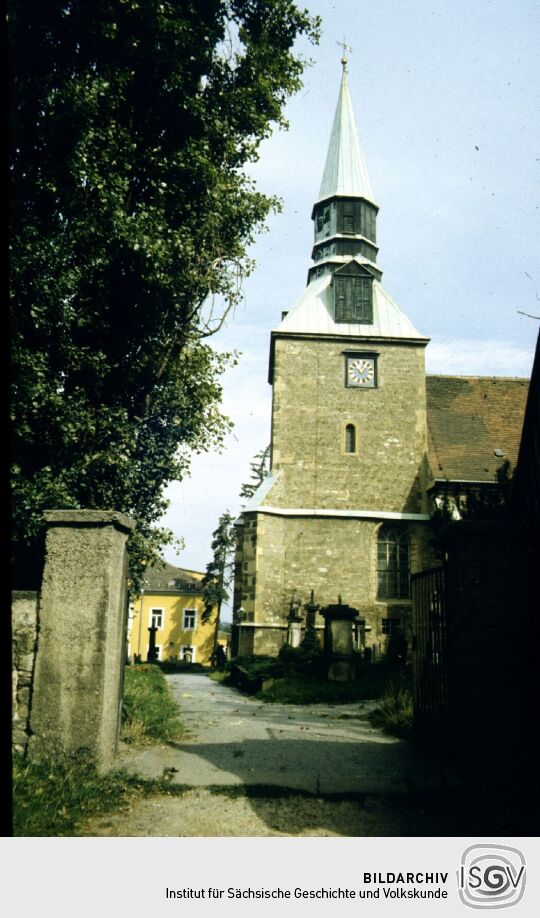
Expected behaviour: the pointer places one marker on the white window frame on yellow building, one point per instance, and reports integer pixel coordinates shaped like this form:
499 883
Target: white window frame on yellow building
190 647
189 611
161 611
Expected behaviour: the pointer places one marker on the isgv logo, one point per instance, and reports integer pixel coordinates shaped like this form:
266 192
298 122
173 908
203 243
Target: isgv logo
491 876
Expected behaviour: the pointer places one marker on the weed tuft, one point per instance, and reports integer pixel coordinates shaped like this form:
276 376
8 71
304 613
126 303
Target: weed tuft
395 711
51 795
151 712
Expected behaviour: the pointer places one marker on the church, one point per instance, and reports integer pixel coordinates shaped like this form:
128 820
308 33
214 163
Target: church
363 443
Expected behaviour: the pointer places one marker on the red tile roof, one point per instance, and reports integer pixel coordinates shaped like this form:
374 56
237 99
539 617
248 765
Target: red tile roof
469 418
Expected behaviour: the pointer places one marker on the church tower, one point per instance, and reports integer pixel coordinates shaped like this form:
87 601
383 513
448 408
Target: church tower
342 511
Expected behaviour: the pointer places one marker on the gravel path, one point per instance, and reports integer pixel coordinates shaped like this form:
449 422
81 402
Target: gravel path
206 814
234 740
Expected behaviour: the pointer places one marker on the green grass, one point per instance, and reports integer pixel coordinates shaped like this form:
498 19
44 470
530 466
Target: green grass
299 678
52 796
219 676
152 713
395 712
302 688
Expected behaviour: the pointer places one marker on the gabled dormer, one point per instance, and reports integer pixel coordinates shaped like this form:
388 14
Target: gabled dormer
352 288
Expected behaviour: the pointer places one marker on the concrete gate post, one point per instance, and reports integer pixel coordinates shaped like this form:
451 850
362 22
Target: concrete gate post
78 679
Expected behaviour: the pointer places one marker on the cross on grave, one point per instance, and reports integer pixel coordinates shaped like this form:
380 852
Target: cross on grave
152 650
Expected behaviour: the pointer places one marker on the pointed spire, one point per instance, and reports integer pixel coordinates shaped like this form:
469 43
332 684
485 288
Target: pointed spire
345 171
344 215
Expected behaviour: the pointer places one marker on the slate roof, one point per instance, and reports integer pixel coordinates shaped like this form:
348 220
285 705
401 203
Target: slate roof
525 494
171 579
345 171
469 417
312 314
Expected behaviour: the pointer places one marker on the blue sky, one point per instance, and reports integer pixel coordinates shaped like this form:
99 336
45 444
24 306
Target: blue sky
446 101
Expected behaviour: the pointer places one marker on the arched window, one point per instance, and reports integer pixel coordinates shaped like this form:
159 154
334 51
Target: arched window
392 564
350 438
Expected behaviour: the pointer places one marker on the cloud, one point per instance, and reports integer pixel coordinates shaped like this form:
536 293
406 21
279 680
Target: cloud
487 357
216 478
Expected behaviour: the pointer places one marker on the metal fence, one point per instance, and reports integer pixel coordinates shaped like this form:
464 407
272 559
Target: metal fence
429 656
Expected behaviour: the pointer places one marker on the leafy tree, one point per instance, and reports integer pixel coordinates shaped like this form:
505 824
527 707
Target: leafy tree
259 470
484 502
219 572
131 122
488 503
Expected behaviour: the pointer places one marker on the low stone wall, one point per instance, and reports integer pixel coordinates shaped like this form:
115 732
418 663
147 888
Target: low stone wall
24 632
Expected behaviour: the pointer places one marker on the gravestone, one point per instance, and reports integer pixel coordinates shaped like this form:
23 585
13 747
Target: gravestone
338 641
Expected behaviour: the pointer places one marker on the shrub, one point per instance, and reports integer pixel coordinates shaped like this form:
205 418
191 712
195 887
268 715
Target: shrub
308 658
259 665
306 689
290 655
310 642
180 666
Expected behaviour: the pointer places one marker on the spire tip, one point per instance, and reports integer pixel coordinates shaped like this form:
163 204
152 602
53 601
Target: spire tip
344 60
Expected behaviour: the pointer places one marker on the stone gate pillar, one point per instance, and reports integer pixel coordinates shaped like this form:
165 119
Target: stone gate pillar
80 658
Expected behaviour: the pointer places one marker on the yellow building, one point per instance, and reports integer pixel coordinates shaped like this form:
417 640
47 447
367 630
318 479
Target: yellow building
172 601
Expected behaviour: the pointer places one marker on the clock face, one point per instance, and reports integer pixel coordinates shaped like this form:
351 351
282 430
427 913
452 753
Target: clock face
361 372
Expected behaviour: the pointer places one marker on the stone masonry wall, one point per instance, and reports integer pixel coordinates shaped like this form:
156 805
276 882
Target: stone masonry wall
285 555
331 556
24 634
312 406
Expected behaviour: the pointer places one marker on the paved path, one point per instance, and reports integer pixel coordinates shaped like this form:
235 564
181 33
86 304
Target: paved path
234 739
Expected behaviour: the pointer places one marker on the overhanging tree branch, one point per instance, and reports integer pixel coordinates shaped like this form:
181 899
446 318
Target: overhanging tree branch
130 207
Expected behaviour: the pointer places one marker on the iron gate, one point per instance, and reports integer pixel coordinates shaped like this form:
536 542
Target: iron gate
429 656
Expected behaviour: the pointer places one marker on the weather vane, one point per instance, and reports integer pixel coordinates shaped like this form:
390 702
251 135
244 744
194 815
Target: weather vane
343 44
